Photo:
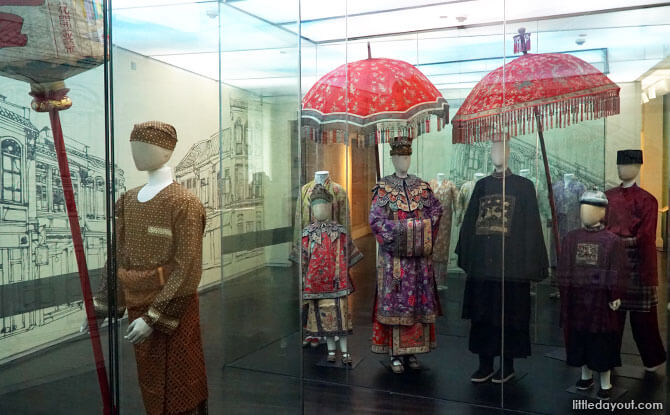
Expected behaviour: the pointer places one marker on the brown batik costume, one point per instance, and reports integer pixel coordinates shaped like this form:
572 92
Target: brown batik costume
159 258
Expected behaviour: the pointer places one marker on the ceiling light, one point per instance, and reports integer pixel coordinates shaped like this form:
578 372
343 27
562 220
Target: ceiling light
645 99
652 93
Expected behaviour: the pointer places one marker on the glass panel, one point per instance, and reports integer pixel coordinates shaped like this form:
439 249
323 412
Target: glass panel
168 229
42 352
258 177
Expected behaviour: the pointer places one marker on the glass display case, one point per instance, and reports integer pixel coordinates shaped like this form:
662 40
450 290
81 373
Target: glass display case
301 207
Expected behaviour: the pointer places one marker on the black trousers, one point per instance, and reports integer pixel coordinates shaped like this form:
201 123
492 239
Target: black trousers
646 334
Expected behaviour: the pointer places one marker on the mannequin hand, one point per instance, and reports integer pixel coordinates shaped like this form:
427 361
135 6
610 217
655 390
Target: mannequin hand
138 331
614 305
84 324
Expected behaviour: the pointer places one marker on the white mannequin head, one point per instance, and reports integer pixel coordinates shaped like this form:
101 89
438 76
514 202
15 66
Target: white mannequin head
591 215
401 164
321 210
500 154
149 157
568 177
321 176
628 163
628 172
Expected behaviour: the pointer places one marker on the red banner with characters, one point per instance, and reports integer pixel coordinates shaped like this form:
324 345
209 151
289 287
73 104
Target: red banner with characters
45 41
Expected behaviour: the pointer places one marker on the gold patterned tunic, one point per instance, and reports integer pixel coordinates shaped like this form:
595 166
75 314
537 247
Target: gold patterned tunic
447 194
159 257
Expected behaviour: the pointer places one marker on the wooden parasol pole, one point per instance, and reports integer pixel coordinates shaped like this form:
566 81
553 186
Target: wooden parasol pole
52 98
550 190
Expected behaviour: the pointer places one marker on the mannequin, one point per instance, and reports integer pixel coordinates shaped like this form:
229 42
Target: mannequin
490 220
326 248
321 176
445 191
304 216
592 276
404 217
632 214
159 231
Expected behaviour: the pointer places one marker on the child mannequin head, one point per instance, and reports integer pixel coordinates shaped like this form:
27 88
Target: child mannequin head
593 208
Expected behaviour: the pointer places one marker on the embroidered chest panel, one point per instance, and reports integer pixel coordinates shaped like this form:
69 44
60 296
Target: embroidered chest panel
316 230
587 254
406 195
495 215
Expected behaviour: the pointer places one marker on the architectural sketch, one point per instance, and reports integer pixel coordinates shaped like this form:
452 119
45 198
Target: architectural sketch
39 283
232 194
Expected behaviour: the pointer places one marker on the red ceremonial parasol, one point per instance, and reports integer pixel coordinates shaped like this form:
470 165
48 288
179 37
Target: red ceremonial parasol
550 90
44 43
374 101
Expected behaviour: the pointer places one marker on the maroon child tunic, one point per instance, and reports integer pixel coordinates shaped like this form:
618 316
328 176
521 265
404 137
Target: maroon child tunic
592 272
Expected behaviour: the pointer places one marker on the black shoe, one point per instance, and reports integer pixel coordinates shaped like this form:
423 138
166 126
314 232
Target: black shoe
502 377
604 394
481 375
584 384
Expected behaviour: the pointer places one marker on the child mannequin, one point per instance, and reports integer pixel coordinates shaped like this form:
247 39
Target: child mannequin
592 277
327 254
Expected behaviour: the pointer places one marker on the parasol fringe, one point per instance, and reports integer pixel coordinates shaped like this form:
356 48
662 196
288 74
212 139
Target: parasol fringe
559 114
382 132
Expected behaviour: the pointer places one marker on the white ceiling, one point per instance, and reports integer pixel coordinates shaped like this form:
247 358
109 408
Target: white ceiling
259 42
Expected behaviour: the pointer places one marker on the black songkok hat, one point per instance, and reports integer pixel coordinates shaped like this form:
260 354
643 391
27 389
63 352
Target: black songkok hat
593 197
319 192
401 147
629 157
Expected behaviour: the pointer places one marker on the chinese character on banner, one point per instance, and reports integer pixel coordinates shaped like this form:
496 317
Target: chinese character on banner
10 31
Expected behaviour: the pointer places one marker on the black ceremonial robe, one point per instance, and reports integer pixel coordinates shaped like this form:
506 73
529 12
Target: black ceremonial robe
481 255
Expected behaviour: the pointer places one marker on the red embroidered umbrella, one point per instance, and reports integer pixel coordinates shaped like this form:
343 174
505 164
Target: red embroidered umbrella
550 90
374 101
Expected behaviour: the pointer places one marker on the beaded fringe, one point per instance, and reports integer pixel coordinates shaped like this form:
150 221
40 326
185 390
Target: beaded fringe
522 121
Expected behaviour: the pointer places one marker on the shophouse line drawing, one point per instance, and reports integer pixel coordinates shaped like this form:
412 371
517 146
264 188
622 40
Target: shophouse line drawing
39 283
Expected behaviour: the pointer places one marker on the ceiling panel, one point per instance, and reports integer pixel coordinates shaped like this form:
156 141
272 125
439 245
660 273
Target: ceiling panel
261 56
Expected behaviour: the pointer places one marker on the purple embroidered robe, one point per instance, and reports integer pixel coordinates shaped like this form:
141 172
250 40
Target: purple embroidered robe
405 218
